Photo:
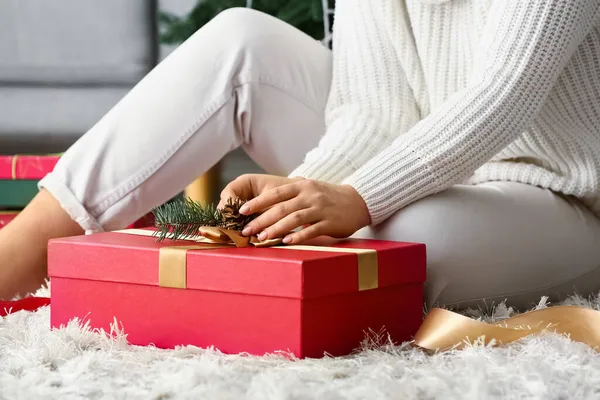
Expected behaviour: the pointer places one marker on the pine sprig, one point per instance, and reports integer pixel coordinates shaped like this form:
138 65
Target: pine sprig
181 219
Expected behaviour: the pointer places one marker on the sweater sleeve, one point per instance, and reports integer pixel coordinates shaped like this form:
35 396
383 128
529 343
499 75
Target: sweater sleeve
524 48
369 92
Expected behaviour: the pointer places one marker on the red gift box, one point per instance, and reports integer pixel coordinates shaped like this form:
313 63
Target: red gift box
26 304
26 167
304 300
144 222
6 217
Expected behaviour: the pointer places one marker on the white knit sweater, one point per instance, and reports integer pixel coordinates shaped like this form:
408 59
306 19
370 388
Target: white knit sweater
427 94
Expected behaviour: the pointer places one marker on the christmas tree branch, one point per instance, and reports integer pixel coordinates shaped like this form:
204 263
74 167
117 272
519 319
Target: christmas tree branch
182 219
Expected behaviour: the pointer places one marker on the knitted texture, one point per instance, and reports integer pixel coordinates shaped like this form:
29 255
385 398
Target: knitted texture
428 94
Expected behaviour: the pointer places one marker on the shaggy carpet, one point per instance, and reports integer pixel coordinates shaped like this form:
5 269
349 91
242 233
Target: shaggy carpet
75 362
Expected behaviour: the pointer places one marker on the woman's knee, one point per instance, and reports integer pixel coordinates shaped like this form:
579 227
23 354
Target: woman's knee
236 20
241 29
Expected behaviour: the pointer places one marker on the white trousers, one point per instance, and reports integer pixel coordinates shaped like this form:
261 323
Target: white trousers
249 80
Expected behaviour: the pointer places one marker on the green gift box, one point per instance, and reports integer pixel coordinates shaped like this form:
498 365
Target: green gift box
19 176
17 194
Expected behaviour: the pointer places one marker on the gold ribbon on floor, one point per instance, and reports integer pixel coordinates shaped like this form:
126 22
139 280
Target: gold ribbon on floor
445 330
172 265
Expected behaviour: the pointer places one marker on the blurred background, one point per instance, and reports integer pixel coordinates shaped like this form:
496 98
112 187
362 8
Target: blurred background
65 63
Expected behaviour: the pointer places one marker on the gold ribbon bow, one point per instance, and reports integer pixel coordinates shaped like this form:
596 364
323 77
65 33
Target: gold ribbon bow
225 236
445 330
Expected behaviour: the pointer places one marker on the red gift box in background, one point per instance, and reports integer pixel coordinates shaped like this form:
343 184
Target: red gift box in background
26 167
144 222
33 168
19 177
249 300
6 217
26 304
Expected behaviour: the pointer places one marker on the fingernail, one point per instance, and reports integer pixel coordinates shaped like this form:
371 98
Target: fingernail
247 231
287 239
244 209
262 236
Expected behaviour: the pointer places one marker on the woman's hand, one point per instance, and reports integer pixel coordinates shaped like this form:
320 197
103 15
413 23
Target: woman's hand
322 209
249 186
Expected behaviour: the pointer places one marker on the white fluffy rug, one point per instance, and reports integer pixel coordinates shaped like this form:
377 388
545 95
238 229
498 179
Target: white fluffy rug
75 362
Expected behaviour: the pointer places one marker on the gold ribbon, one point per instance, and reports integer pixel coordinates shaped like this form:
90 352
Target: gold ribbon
445 330
220 235
15 159
14 168
172 264
368 269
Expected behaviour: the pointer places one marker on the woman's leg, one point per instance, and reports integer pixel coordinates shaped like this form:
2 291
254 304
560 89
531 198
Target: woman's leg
498 241
245 79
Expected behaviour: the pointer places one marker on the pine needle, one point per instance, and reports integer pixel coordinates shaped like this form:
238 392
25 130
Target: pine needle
181 219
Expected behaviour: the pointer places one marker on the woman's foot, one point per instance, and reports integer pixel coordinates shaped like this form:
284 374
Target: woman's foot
24 243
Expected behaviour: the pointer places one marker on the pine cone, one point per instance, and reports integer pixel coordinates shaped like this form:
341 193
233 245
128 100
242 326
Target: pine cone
231 217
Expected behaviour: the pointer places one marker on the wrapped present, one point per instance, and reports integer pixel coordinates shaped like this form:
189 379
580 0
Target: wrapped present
6 217
26 167
144 222
26 304
303 300
19 176
16 194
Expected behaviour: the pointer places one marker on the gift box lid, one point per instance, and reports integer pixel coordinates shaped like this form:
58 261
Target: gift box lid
274 271
27 167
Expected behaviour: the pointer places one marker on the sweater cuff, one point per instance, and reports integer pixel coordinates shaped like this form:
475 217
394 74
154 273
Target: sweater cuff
347 145
392 181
